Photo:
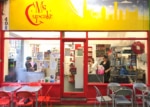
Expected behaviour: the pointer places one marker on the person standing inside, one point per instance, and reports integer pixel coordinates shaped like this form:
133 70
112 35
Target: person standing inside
91 68
106 64
30 66
73 72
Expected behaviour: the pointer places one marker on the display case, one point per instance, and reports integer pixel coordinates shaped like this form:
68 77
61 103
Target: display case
123 57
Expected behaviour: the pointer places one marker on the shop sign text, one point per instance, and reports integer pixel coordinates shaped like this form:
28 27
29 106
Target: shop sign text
37 12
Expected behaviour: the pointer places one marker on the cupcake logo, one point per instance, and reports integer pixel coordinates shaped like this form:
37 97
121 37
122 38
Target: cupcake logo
37 12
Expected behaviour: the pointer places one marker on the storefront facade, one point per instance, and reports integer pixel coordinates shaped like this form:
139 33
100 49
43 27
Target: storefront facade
55 38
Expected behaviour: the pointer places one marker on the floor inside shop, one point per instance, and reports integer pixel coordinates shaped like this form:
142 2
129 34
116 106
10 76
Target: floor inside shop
70 85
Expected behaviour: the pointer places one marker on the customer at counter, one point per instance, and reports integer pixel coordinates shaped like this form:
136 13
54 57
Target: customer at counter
106 64
94 71
92 68
30 65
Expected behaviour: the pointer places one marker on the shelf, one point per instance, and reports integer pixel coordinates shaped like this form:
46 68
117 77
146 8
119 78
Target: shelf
72 55
89 53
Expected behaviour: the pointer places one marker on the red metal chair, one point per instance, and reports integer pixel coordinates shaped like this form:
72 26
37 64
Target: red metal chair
15 84
4 99
14 93
34 84
24 98
45 98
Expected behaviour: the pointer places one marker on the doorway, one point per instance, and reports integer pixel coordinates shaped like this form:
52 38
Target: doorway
73 68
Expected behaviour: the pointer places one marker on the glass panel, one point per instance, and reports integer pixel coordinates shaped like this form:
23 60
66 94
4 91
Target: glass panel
44 63
130 55
117 34
32 34
73 66
75 34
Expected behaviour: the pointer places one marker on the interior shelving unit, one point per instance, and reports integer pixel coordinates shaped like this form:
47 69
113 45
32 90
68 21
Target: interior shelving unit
123 58
89 52
58 66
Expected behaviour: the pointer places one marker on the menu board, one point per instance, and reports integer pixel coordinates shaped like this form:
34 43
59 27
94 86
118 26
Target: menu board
102 49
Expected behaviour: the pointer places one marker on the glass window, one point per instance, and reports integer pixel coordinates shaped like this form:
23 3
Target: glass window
45 56
75 35
32 34
32 60
117 34
130 55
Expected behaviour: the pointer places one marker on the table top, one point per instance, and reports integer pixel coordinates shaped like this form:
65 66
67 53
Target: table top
30 88
144 89
116 88
9 88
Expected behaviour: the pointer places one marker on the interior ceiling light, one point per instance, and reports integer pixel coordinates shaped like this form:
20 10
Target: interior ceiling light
126 1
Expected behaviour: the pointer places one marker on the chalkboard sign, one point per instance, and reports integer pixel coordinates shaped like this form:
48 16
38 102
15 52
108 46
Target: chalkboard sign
100 53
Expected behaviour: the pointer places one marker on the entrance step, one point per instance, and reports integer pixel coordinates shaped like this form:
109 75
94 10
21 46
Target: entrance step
73 99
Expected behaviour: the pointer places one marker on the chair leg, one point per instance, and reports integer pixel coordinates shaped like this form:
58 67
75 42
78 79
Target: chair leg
95 104
107 104
41 104
47 104
50 104
100 103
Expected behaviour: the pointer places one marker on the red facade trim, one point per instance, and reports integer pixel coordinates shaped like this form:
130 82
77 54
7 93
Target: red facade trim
1 44
148 57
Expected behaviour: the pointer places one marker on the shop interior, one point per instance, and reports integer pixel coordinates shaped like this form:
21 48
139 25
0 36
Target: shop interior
45 53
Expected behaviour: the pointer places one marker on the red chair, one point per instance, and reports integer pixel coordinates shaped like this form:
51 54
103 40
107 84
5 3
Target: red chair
4 99
14 94
24 98
15 84
36 84
45 98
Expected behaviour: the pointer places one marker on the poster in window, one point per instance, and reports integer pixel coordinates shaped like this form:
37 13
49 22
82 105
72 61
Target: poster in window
80 52
40 56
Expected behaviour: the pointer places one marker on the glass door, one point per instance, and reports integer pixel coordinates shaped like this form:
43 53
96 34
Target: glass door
73 69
